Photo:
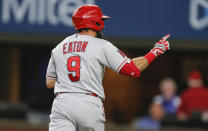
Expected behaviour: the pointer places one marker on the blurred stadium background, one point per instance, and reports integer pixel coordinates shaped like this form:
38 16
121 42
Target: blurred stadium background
30 29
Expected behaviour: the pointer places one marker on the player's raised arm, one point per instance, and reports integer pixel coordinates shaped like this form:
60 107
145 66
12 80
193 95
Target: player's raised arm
138 64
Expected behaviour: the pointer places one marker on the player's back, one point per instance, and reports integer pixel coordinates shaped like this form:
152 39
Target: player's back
77 64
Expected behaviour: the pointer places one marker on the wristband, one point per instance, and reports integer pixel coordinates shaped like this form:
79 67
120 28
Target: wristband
150 57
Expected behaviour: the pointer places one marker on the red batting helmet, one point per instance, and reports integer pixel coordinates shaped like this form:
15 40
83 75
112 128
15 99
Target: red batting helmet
89 16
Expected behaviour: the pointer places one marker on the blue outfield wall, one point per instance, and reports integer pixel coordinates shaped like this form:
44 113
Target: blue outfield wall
184 19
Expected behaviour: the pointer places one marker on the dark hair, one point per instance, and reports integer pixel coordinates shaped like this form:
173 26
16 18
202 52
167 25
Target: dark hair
99 34
83 29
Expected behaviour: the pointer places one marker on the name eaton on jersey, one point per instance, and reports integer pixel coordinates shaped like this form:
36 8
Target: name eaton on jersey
76 46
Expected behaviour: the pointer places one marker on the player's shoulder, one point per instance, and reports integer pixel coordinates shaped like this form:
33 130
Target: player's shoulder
104 43
60 44
99 40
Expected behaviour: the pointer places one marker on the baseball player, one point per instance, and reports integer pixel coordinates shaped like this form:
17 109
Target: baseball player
76 69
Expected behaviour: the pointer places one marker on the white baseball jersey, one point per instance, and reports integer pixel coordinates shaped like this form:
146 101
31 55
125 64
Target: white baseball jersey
78 64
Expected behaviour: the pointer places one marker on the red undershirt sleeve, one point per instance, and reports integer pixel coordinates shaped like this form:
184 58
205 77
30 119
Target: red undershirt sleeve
130 69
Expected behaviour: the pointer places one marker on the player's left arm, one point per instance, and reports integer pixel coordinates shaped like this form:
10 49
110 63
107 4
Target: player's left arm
51 75
50 83
137 65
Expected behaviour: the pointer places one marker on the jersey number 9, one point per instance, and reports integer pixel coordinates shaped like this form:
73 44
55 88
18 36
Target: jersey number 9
73 65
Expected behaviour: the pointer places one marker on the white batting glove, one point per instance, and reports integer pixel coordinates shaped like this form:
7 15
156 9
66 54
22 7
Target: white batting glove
161 46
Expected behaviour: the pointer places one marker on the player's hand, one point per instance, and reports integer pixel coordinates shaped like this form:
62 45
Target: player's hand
161 46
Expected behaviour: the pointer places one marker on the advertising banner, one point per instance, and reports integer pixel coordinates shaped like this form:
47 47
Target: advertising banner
135 18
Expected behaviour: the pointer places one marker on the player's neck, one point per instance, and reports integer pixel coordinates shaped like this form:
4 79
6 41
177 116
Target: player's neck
89 32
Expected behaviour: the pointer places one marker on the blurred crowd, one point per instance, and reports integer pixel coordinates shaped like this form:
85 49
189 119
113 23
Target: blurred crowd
190 108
